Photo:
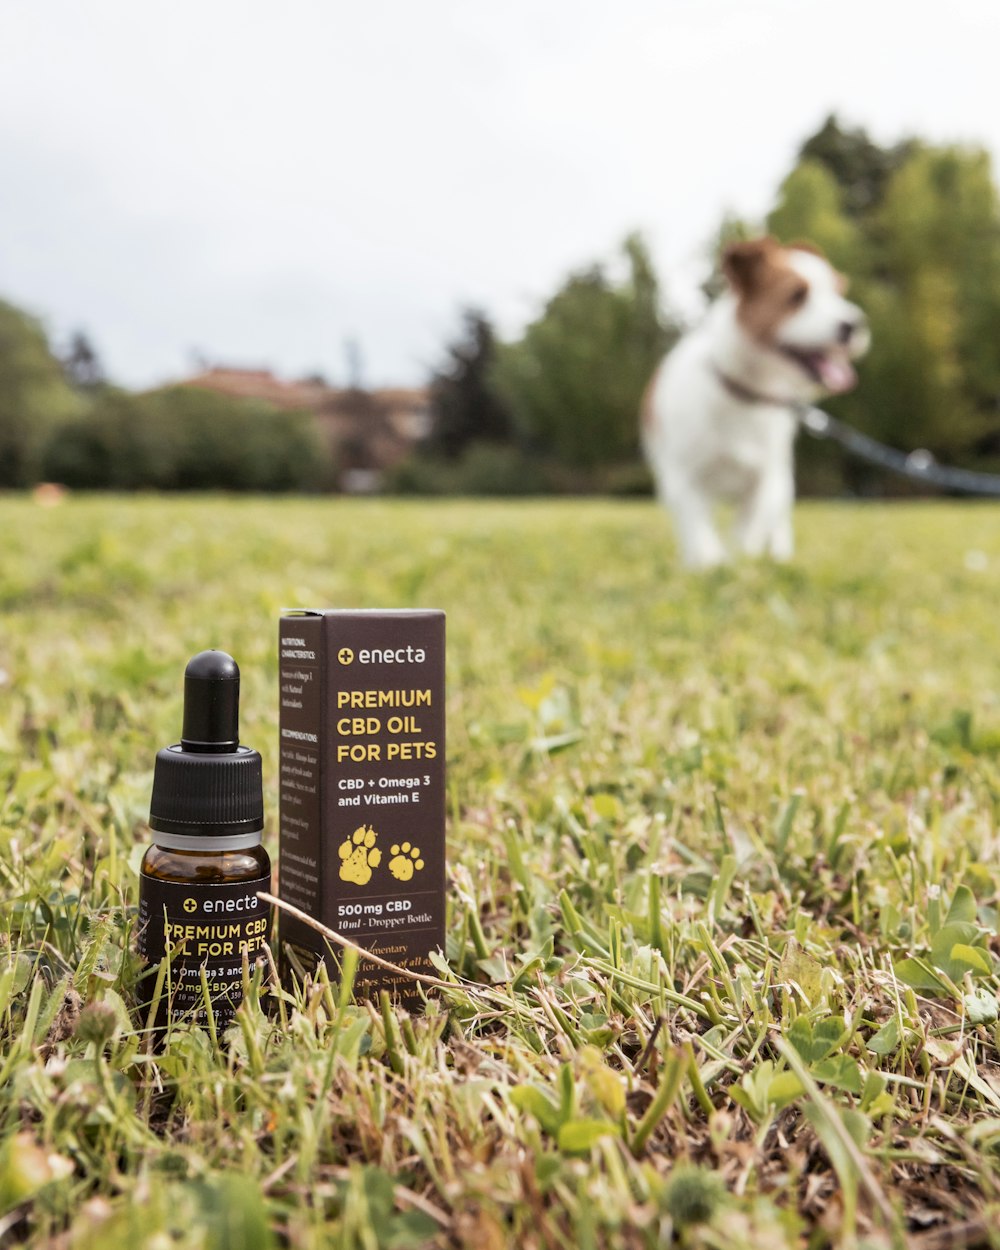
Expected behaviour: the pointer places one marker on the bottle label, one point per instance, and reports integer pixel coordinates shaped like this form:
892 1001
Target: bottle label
202 928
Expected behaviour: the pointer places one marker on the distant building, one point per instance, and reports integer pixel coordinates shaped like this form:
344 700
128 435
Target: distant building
260 384
369 431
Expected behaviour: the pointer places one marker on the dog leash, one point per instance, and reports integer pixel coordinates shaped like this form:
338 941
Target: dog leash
919 466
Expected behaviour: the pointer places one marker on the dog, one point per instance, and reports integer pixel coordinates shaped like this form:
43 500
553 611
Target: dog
719 416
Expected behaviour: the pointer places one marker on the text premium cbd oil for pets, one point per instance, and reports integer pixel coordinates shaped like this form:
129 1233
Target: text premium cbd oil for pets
199 880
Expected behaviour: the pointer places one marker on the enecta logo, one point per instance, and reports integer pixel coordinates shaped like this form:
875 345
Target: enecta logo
383 655
190 904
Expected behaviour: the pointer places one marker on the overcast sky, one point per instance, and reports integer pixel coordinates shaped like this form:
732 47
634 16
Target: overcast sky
261 181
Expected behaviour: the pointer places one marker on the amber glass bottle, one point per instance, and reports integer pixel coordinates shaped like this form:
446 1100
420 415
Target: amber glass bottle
199 913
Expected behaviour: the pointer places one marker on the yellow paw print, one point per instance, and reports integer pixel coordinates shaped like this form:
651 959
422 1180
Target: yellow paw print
359 855
405 861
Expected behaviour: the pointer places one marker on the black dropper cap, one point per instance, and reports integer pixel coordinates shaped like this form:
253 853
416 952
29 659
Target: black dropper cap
211 704
207 785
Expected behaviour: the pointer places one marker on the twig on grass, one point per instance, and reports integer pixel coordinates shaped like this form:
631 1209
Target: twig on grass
640 1063
422 978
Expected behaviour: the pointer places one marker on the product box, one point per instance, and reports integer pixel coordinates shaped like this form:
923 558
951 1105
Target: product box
362 818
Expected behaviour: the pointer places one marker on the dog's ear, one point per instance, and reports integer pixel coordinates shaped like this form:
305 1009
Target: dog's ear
805 245
744 262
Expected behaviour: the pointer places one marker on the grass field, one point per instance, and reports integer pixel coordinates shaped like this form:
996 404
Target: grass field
724 886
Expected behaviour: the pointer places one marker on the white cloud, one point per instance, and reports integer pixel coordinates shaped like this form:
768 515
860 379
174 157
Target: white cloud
263 181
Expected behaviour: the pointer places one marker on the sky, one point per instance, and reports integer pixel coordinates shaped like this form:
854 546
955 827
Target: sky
262 183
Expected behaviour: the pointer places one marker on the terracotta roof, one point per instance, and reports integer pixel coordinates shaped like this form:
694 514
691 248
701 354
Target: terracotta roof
402 396
262 384
259 384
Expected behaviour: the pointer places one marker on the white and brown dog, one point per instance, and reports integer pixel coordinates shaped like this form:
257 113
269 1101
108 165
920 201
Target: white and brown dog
719 416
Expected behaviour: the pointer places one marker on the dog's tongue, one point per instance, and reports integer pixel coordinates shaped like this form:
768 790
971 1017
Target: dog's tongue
835 372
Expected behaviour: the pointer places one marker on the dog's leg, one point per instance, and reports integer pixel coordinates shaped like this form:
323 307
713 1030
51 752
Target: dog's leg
764 519
701 546
781 541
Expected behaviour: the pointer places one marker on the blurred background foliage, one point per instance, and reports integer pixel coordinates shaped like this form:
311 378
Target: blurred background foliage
916 226
183 438
35 397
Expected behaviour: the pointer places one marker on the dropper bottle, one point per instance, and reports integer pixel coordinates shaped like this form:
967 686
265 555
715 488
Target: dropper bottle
198 907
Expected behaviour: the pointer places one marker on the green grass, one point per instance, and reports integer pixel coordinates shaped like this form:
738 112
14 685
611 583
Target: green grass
724 881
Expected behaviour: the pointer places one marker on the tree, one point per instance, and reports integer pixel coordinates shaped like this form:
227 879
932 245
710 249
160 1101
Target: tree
917 230
860 168
811 207
183 438
34 396
81 364
465 406
220 443
575 378
119 444
937 306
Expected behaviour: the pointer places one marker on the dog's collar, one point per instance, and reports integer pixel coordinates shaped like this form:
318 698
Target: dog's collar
748 395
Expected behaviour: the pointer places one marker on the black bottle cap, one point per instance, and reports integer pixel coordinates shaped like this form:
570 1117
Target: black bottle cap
211 704
207 785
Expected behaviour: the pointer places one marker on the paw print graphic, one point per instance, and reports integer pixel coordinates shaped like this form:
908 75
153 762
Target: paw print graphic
359 855
405 861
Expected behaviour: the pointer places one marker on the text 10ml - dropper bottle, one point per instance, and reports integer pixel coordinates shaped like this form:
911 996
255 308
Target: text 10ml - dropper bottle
198 882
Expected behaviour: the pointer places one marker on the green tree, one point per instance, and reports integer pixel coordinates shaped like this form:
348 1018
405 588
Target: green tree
917 229
942 215
465 405
936 306
811 207
120 444
81 363
859 166
34 396
575 378
182 438
220 443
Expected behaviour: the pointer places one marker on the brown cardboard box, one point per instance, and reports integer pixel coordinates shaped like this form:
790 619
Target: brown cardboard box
362 845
